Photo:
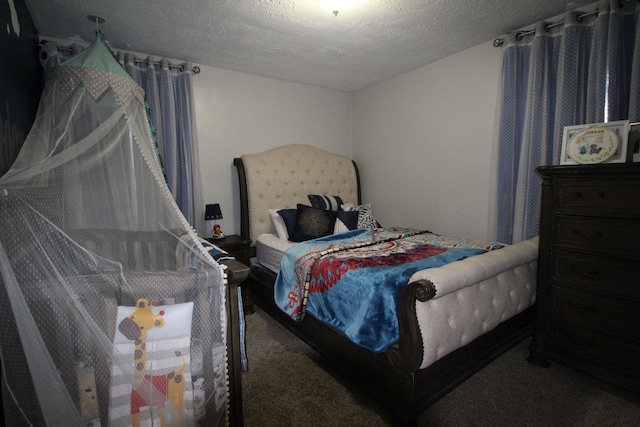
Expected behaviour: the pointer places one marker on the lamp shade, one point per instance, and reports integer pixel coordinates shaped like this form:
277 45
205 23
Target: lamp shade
212 212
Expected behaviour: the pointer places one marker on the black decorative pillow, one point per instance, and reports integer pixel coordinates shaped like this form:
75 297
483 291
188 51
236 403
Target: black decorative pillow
312 223
331 203
347 220
289 218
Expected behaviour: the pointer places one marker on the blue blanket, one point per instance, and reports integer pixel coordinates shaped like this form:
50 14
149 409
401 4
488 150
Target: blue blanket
352 281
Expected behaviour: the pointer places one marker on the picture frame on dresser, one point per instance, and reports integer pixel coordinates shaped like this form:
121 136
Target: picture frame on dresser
595 143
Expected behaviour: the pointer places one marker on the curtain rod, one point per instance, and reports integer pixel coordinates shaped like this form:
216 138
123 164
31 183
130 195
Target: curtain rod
521 34
195 69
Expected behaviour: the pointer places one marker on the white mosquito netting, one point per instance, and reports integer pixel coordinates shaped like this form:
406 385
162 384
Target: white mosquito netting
112 313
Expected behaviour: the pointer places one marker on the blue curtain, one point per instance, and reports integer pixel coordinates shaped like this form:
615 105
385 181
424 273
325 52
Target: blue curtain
584 71
169 96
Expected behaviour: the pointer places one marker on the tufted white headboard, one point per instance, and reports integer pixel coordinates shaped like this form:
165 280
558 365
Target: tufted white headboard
283 177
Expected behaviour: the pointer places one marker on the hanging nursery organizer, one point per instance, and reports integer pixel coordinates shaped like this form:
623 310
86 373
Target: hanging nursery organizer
111 309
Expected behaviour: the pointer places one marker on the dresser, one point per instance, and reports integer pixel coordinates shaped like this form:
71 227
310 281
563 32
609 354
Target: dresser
588 290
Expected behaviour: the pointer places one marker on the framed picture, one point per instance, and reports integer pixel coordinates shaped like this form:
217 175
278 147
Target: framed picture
633 146
595 143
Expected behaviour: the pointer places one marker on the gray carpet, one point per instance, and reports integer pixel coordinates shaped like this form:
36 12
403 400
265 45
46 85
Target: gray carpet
288 384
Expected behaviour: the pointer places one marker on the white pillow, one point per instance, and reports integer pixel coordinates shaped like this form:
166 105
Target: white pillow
340 227
168 353
278 224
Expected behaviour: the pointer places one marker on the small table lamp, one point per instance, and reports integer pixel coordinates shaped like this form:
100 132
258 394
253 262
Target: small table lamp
213 212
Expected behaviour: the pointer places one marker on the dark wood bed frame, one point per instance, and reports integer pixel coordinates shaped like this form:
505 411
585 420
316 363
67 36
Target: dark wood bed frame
392 378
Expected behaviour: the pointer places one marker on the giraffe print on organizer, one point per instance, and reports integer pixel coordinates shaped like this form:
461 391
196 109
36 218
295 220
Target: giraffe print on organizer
169 387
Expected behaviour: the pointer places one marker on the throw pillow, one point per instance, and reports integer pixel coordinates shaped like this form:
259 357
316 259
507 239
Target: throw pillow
366 219
278 224
312 223
331 203
167 343
346 221
289 218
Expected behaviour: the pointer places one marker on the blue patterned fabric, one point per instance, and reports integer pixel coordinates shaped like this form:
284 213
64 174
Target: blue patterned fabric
352 281
215 252
585 71
242 323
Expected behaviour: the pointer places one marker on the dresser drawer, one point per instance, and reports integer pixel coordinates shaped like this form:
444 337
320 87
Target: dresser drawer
598 197
596 273
582 343
606 237
620 316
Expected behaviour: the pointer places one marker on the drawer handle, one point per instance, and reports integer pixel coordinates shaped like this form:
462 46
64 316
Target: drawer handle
591 236
581 342
586 310
601 194
584 273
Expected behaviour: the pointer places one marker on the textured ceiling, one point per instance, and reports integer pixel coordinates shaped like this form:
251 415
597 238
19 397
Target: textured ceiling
295 40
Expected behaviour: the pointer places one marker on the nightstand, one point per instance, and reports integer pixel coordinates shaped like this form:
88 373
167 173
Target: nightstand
241 249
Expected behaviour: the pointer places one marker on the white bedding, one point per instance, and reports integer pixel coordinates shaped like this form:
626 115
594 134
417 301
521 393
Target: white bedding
270 249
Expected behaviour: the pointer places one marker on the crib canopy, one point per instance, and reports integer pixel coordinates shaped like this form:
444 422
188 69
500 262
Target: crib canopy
111 310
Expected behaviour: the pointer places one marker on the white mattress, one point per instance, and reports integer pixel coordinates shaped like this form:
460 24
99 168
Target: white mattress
270 249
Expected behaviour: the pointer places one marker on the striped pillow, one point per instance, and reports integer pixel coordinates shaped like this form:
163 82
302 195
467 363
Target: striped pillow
329 203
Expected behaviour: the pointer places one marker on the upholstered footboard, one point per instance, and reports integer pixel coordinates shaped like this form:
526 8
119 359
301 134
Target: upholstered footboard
456 303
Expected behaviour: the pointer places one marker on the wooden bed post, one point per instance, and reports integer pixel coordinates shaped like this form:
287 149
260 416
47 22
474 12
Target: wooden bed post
245 232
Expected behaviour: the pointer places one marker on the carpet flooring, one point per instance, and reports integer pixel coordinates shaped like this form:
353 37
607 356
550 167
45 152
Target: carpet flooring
289 384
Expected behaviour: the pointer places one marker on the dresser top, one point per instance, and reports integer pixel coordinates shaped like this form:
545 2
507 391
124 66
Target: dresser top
616 169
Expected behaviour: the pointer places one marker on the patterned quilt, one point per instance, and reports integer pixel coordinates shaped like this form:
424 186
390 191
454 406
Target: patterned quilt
351 281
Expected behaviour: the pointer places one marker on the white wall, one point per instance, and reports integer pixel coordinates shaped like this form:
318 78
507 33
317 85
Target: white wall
238 113
424 140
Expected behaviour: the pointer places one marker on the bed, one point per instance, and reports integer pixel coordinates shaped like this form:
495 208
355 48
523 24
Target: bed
451 320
